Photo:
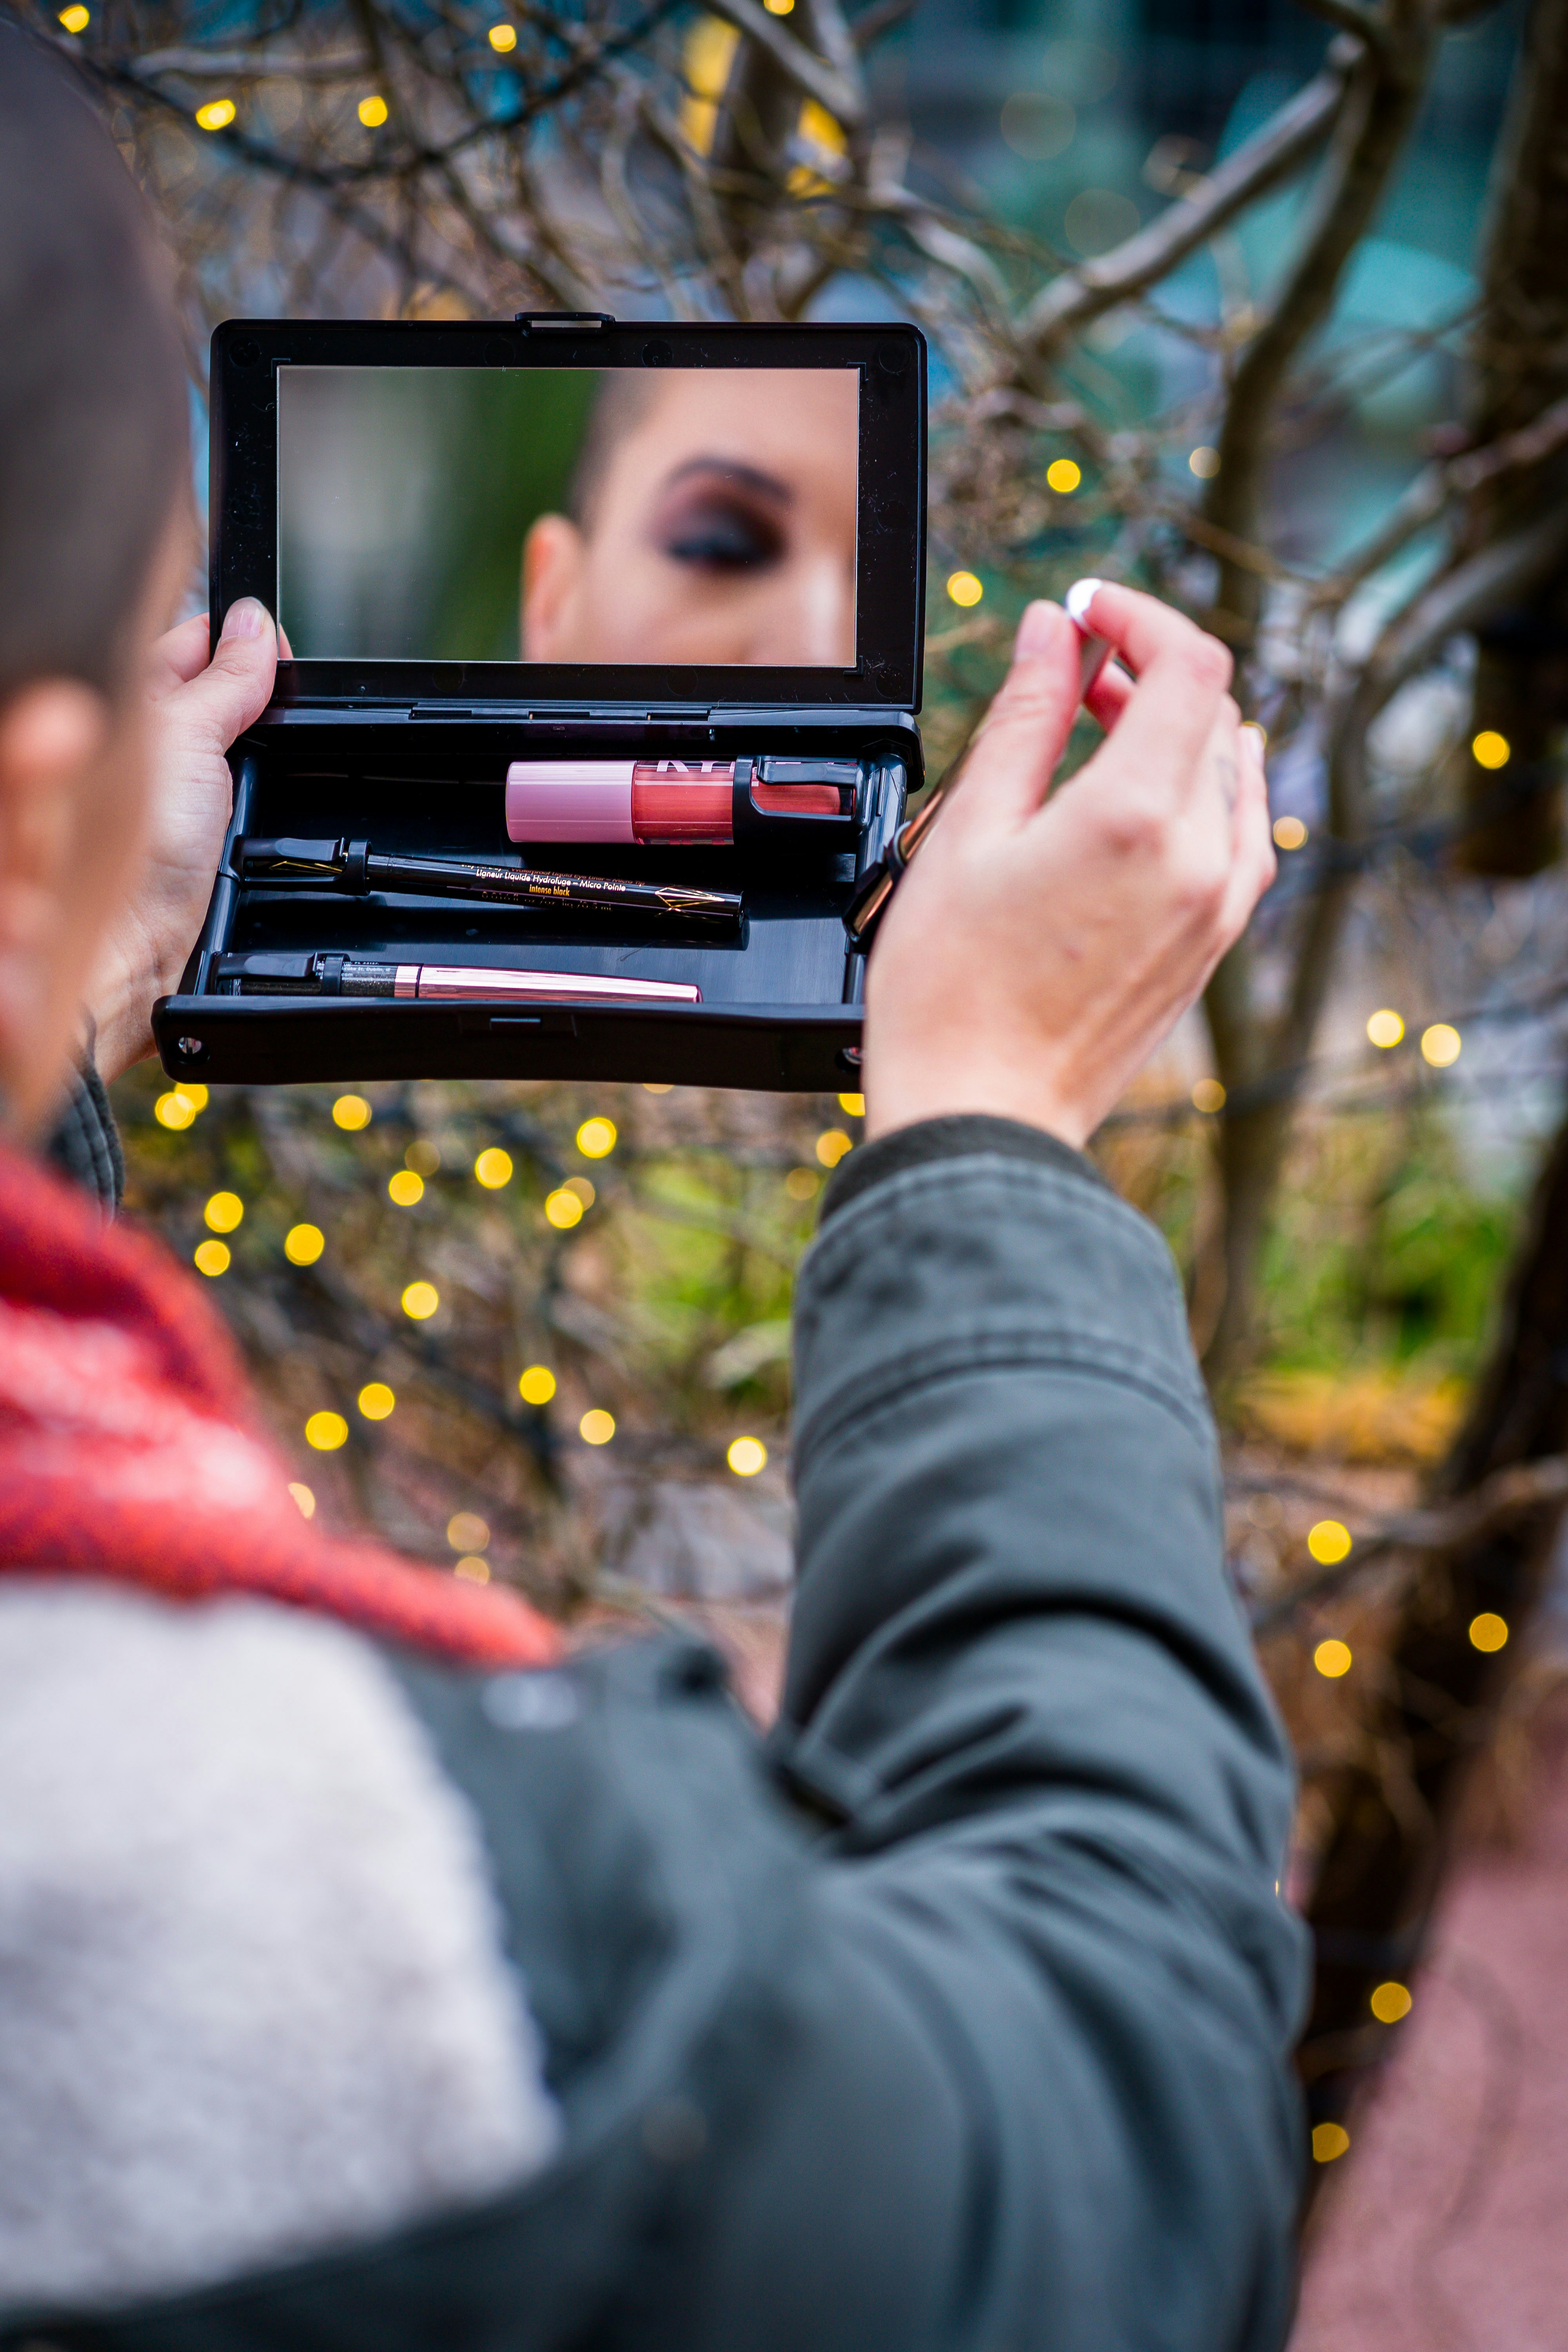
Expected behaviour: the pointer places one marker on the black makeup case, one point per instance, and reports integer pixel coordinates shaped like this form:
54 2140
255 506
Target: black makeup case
396 723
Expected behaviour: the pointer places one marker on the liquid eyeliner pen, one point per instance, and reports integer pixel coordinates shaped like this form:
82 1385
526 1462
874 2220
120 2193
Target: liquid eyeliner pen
356 867
879 881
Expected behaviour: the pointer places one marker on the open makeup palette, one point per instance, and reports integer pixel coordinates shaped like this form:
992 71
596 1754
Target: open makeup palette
604 653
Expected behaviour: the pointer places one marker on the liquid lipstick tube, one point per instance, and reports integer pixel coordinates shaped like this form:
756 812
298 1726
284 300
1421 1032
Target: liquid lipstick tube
667 801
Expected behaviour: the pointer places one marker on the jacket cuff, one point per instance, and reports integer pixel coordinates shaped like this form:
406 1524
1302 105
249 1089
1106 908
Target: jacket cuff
85 1142
955 1138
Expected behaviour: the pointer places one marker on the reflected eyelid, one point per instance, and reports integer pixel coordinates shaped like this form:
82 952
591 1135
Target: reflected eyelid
734 469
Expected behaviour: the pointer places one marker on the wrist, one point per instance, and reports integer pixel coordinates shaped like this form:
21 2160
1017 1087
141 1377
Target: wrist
126 982
907 1095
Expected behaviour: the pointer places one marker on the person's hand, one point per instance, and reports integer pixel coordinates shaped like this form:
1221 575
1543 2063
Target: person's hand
196 710
1039 949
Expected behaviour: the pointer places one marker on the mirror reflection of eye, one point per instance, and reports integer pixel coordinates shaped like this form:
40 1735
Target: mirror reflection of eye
721 535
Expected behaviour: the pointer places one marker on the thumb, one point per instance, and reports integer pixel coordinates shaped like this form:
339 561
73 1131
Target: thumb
1024 734
234 689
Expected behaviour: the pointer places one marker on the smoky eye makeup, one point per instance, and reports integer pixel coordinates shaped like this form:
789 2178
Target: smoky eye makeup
712 522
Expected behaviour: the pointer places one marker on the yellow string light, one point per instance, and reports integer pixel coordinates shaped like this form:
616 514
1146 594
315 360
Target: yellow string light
746 1456
597 1426
75 20
537 1385
596 1137
965 588
326 1432
1330 2141
211 1257
1385 1028
1204 463
406 1187
563 1210
803 1183
854 1105
1333 1659
472 1569
422 1156
351 1112
1490 749
502 38
649 1087
304 1497
224 1211
420 1300
1329 1542
1063 475
1208 1096
493 1168
1489 1631
1290 833
216 114
832 1146
1441 1044
465 1531
1390 2003
174 1110
373 112
304 1245
375 1401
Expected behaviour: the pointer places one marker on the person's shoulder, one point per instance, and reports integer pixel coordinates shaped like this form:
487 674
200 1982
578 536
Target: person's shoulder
242 1899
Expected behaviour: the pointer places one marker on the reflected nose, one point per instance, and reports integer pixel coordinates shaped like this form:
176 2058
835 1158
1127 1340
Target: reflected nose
815 629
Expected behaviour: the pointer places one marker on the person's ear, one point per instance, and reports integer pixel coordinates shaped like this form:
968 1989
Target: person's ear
52 735
554 557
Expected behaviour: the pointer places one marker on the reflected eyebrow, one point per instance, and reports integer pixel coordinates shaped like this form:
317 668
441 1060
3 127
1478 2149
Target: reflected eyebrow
734 469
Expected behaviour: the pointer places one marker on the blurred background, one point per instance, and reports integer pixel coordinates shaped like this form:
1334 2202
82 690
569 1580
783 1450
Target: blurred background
1262 306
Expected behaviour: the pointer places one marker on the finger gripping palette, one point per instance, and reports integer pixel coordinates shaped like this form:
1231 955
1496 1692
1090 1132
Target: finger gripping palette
597 702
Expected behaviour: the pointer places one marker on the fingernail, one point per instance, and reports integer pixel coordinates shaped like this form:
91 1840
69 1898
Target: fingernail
246 618
1078 599
1035 631
1258 735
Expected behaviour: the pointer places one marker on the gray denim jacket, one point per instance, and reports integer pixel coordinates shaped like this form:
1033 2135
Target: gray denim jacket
958 2010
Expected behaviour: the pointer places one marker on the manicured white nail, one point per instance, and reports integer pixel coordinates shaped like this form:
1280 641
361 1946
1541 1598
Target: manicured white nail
1078 599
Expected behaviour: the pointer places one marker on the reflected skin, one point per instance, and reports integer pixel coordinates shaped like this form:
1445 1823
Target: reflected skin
722 530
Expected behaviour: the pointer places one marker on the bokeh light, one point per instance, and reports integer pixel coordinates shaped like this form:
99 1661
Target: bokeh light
536 1385
1489 1631
1490 749
832 1146
423 1156
1391 2002
502 38
564 1210
596 1137
373 112
211 1257
465 1531
1290 833
746 1456
597 1426
326 1432
472 1569
652 1086
1441 1044
174 1110
304 1245
1208 1096
965 588
1329 1542
1333 1659
224 1211
375 1401
76 19
1330 2141
216 114
303 1497
420 1300
351 1112
803 1183
1385 1028
1204 463
1063 475
406 1187
854 1105
493 1168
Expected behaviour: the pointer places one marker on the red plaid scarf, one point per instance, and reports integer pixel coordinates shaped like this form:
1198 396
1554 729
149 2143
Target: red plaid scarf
131 1447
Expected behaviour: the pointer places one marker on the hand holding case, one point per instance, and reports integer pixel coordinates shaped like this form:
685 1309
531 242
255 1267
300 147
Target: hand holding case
411 755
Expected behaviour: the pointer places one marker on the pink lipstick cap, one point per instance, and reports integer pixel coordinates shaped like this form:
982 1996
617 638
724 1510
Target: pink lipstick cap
569 800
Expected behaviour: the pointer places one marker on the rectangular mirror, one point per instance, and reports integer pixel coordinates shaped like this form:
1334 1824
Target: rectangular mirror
575 516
